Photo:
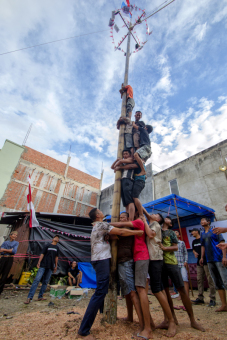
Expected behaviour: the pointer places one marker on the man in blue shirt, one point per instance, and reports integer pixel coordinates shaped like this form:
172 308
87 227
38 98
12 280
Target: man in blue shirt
7 250
216 260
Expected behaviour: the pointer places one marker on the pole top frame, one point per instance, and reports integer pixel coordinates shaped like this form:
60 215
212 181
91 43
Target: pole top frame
129 26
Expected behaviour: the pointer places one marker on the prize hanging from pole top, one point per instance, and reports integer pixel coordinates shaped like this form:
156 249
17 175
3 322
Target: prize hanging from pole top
129 18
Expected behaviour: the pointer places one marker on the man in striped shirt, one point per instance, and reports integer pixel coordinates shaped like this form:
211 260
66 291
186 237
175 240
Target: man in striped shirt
182 260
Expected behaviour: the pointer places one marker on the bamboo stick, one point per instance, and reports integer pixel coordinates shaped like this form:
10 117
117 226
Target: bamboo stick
178 220
110 306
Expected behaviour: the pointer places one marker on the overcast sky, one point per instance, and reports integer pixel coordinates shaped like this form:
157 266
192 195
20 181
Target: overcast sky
68 90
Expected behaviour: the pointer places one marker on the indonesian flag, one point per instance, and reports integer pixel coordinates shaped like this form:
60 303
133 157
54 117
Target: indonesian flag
126 9
33 221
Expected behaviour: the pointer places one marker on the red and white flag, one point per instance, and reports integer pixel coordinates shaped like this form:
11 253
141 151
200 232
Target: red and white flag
33 221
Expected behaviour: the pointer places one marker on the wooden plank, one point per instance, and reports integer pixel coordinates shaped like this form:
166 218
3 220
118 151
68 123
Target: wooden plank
23 234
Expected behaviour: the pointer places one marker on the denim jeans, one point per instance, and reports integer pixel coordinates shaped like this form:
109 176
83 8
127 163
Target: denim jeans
46 274
175 289
102 269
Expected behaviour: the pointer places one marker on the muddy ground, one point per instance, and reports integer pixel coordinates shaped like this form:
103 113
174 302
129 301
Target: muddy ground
40 321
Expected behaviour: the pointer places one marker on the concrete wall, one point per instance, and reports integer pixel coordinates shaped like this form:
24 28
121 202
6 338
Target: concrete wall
52 189
9 158
199 179
107 194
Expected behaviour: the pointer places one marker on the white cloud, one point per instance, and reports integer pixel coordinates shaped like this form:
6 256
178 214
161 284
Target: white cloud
200 31
69 90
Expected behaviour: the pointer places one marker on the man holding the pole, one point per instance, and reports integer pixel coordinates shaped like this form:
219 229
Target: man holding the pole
141 259
154 238
100 260
170 269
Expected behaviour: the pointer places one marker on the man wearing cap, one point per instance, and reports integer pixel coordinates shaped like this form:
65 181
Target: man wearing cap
201 271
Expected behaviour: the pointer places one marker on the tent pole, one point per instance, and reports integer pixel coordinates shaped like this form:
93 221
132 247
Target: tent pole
178 220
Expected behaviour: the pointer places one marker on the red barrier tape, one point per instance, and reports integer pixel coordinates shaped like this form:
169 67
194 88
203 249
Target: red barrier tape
69 240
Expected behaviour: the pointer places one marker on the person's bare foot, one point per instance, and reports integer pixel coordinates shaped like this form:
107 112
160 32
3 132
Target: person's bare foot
196 325
163 325
171 330
125 319
134 335
145 333
222 309
142 173
27 301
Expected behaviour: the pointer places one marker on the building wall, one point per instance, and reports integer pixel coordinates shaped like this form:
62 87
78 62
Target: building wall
52 189
9 158
146 195
199 179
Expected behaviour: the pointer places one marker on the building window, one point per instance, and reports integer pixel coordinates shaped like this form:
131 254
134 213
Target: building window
174 187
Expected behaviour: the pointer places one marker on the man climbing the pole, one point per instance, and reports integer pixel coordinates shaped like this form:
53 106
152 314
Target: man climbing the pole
132 188
100 259
127 181
129 99
127 120
144 152
135 131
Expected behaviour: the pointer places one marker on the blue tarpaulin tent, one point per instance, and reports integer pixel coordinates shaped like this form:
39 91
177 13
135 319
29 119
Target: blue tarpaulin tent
188 211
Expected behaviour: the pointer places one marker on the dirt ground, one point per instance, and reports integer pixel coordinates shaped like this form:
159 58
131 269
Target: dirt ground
40 321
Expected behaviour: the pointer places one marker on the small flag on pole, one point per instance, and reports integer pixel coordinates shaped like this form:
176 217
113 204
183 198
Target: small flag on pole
33 221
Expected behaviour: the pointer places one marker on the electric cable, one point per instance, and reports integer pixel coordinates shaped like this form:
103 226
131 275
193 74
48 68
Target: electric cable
54 41
156 11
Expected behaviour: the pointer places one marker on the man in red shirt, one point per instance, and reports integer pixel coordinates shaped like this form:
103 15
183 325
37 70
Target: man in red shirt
127 119
141 259
129 101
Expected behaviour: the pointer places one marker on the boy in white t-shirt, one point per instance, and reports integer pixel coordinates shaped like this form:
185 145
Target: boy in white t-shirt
154 239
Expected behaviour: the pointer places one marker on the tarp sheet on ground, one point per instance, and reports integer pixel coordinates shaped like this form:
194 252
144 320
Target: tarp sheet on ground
89 275
74 245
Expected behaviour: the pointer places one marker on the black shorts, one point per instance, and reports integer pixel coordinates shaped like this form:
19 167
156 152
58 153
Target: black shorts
137 188
126 191
155 272
172 271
